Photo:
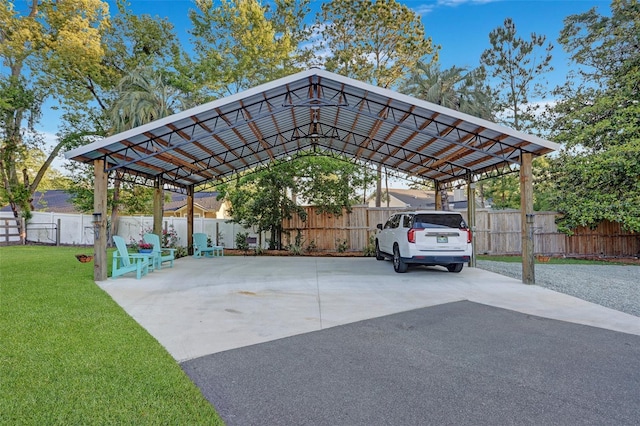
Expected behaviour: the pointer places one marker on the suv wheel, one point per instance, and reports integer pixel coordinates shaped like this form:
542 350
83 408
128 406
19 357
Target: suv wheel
379 255
398 264
454 267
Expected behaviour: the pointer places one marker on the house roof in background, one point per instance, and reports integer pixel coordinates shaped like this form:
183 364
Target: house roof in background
414 198
313 111
207 200
59 201
53 200
420 199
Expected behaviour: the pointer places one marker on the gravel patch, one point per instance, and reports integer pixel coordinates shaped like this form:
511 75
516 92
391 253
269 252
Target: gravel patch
613 286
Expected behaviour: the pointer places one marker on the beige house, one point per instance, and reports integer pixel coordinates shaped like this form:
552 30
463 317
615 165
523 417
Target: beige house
419 200
205 205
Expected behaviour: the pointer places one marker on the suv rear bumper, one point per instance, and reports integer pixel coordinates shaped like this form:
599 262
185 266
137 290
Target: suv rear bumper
436 260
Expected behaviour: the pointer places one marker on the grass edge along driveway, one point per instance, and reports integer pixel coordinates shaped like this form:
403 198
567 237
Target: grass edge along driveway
70 355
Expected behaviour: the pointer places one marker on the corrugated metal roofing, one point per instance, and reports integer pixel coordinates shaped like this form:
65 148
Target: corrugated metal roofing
313 111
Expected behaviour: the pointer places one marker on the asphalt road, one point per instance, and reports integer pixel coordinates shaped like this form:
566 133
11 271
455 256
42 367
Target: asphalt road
456 363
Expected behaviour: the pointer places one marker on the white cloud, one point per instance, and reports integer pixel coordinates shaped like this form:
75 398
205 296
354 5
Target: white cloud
455 3
425 9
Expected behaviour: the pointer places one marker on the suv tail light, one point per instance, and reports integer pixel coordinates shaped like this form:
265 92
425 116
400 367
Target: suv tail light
411 234
468 234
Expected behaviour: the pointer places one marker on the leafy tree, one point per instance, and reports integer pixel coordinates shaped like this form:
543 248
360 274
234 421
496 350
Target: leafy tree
596 119
596 187
260 199
242 43
52 179
54 52
49 33
143 95
543 188
330 183
376 41
264 197
504 191
518 67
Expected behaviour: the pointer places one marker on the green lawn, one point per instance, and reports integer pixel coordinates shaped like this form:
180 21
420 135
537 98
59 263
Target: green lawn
70 355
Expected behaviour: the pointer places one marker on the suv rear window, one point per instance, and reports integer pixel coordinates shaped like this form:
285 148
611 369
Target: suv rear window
439 221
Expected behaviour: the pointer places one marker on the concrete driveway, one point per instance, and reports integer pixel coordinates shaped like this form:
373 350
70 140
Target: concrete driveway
347 341
205 306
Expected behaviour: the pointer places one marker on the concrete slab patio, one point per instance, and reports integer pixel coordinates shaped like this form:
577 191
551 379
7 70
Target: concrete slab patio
206 306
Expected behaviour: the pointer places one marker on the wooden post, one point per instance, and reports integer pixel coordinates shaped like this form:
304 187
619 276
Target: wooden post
527 218
100 228
190 219
471 217
158 206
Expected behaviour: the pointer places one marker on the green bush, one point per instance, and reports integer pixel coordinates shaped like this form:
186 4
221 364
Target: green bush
241 241
370 249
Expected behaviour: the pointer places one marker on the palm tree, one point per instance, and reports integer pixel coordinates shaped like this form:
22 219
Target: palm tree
456 88
142 96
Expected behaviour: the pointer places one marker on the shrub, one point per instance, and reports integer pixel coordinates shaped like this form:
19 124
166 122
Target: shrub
241 241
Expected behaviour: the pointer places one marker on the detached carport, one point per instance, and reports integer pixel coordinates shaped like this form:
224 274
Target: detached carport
315 112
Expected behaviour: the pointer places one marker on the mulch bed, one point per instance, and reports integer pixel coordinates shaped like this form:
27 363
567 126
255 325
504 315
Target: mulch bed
234 252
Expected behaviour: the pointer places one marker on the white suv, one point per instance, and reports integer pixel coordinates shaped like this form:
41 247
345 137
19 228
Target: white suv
425 238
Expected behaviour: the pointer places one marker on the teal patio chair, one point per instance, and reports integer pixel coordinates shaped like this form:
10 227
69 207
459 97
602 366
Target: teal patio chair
202 248
160 254
125 262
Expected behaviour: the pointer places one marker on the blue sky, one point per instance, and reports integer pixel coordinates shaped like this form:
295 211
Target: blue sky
460 27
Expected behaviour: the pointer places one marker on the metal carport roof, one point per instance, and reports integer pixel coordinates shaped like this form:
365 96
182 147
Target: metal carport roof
313 110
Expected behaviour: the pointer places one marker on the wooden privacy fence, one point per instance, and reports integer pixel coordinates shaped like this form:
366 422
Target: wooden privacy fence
496 232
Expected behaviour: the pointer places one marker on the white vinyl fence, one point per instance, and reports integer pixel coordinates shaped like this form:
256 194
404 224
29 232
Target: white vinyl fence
77 229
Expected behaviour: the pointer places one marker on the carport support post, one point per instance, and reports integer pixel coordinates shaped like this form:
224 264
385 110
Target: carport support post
471 218
526 218
158 206
100 227
190 219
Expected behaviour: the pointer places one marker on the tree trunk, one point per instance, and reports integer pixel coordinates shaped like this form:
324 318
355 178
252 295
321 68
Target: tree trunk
386 185
444 196
272 241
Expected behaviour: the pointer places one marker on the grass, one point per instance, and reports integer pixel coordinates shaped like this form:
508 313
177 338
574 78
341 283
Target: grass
553 260
70 355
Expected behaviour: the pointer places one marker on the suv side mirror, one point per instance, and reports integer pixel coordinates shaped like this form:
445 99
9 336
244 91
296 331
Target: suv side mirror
379 226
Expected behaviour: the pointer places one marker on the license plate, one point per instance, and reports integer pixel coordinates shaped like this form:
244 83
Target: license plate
442 239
